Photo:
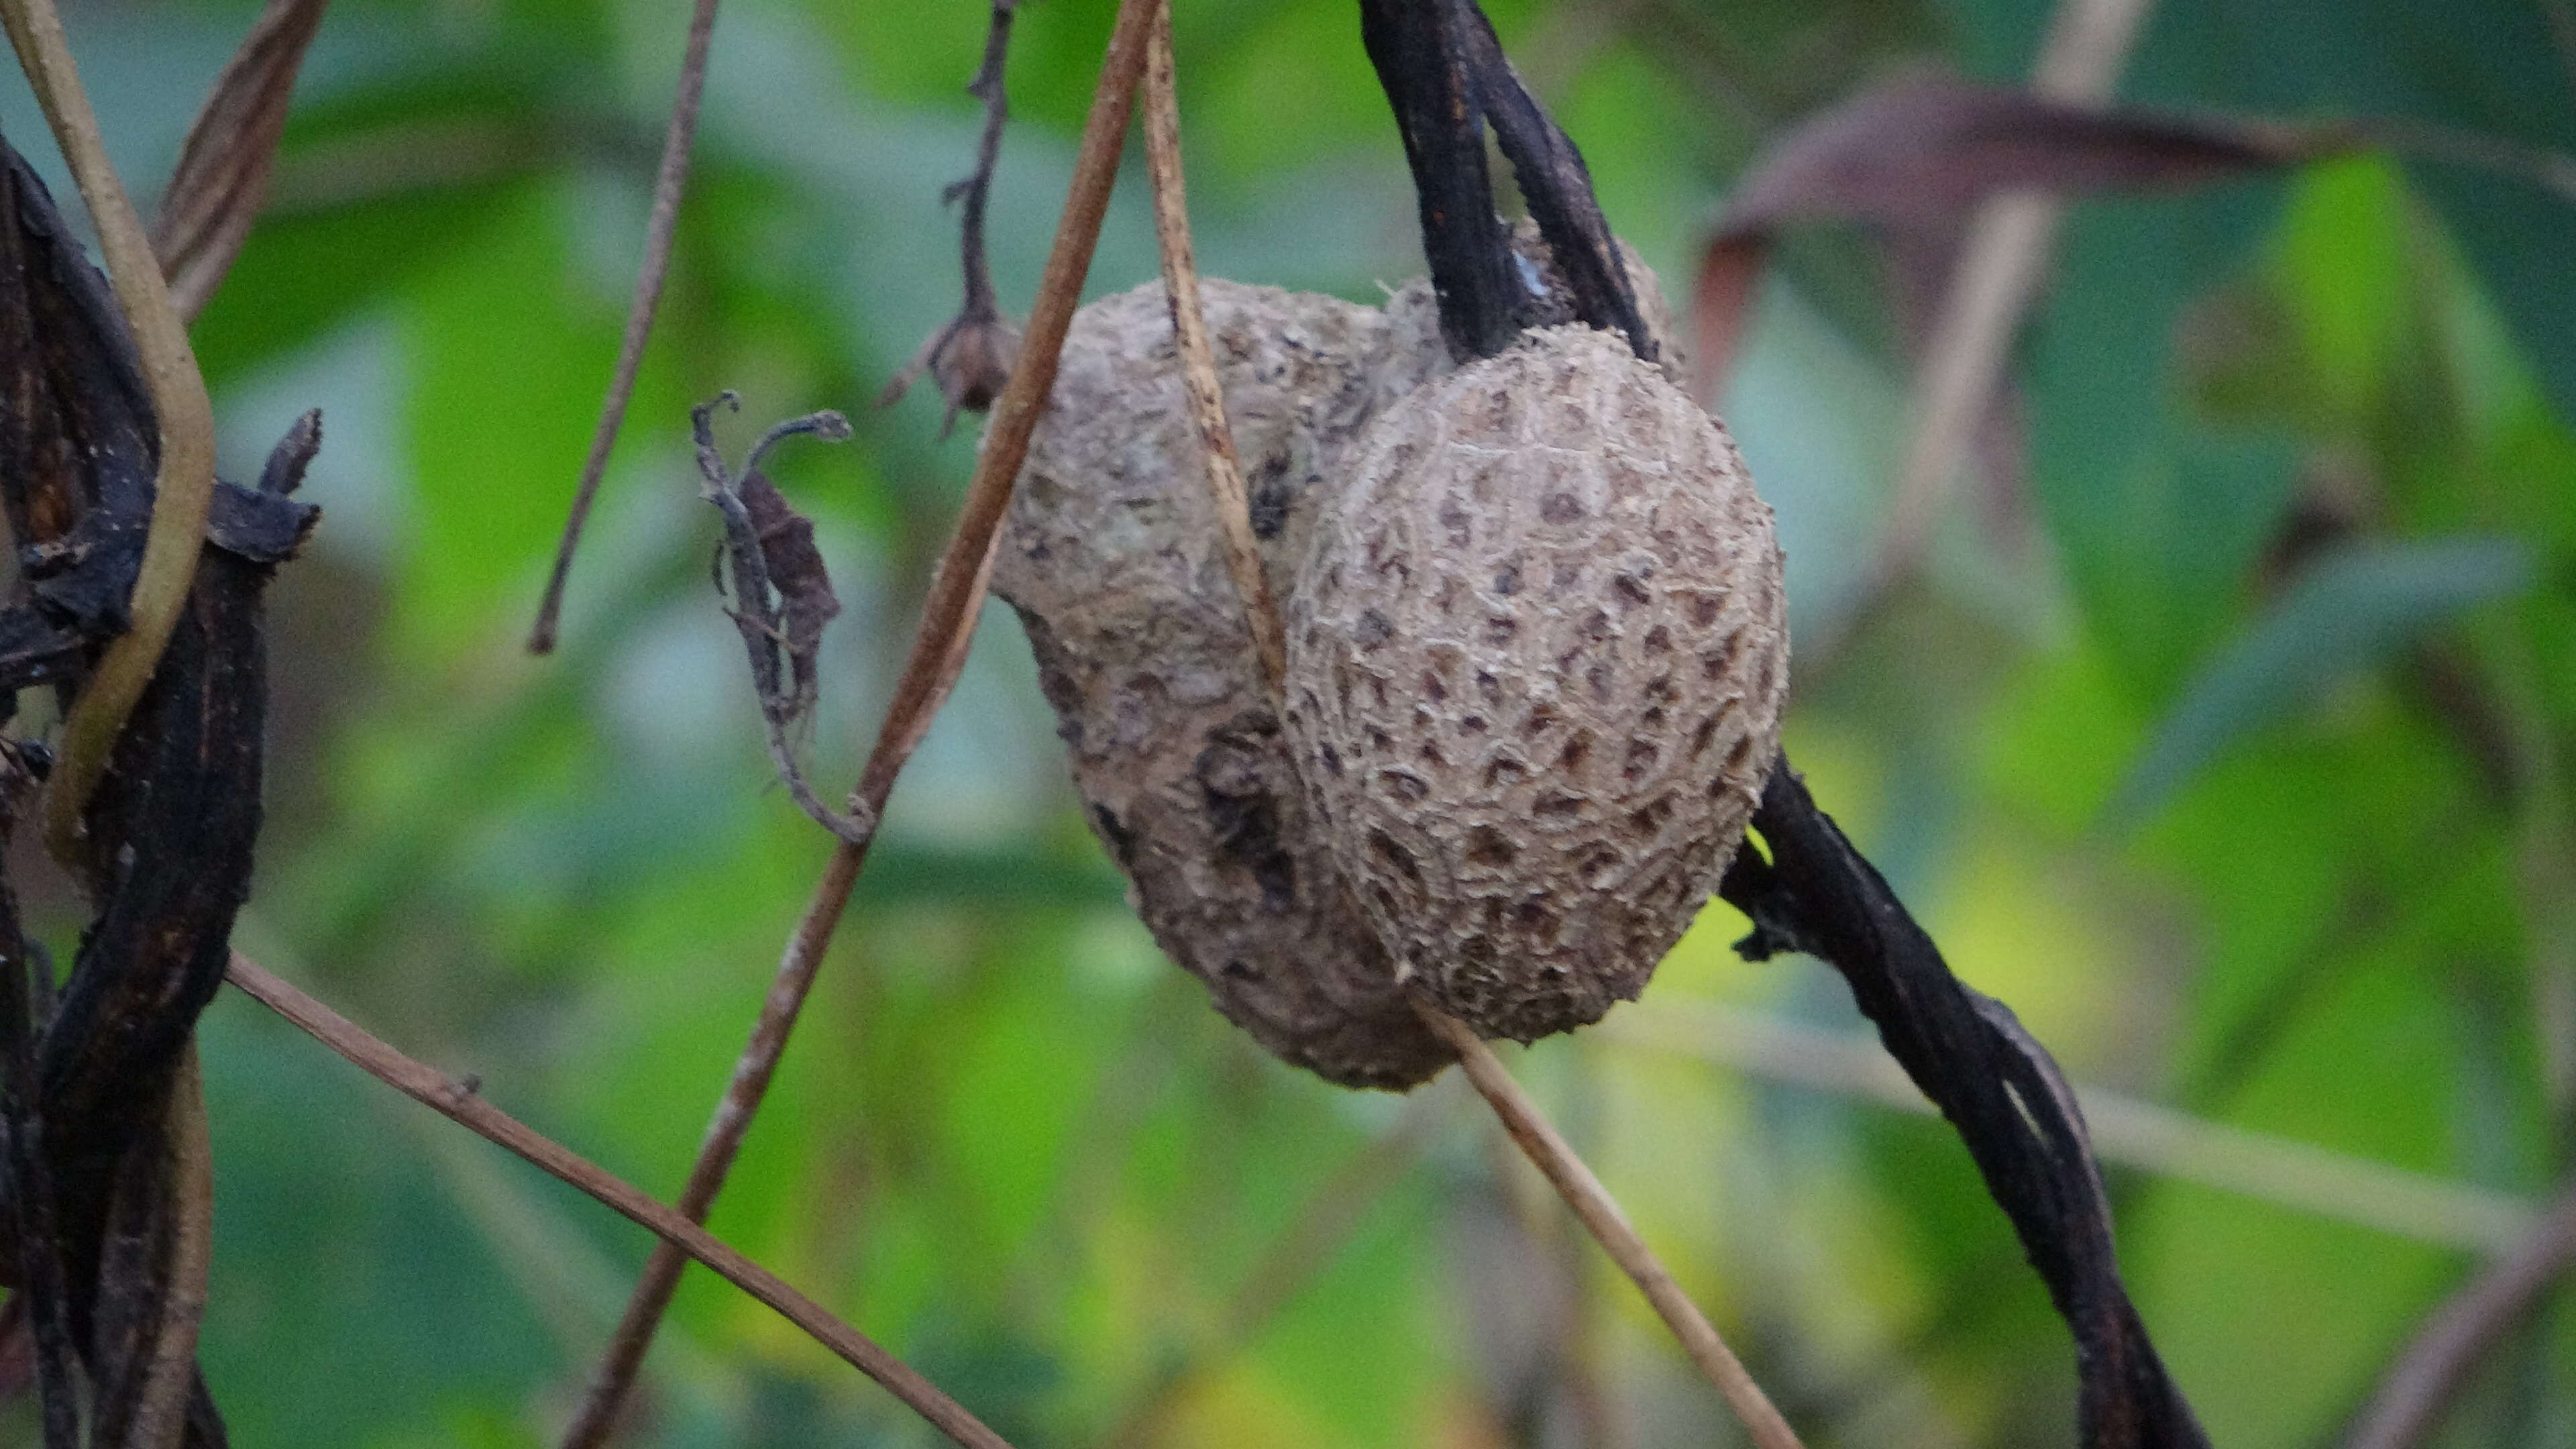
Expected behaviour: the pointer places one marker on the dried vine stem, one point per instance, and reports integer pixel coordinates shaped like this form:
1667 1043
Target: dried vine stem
458 1102
183 490
1608 1225
659 231
1198 360
938 651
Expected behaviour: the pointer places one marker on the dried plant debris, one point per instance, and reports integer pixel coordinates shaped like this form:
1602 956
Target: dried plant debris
1115 563
104 1175
781 596
972 356
1536 659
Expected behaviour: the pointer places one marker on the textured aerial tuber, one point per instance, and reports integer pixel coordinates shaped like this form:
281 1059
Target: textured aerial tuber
1536 658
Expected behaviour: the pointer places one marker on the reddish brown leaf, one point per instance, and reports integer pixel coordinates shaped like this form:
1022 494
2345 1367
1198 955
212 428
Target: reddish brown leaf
222 178
1913 157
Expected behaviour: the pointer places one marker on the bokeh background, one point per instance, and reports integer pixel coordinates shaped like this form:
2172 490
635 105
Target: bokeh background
2228 742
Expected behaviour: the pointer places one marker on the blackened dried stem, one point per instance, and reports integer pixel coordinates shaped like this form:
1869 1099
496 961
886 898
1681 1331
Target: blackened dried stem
930 670
1420 50
25 986
1198 359
2011 1106
669 182
1609 1226
1557 187
459 1102
183 490
2462 1333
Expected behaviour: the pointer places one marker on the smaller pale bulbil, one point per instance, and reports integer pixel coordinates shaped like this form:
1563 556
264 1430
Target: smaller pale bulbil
1536 659
1113 558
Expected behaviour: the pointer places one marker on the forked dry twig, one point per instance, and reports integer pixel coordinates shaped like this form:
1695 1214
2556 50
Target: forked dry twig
938 652
659 229
1610 1227
460 1102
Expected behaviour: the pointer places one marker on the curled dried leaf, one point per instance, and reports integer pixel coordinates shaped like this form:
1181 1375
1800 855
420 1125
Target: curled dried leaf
781 595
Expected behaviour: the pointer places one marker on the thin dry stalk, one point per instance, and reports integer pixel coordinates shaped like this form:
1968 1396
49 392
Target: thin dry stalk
2462 1333
457 1101
1991 285
1198 360
216 191
659 230
162 1415
1610 1227
938 651
183 490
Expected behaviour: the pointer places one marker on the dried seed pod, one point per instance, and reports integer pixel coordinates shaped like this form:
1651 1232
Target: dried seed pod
1536 660
1113 558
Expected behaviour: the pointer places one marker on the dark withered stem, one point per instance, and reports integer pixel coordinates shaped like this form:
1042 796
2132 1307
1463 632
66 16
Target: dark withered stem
1419 49
972 356
26 991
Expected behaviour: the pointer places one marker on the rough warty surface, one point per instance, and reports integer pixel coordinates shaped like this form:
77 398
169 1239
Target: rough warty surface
1113 558
1536 658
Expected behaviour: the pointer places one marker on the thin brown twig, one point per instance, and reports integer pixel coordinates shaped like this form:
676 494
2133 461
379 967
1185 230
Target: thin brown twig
162 1411
1610 1227
1997 273
183 489
938 651
1198 360
2461 1333
660 229
1309 1244
458 1101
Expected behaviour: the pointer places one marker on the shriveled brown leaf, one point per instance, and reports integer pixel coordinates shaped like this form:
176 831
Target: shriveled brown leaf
222 178
1913 157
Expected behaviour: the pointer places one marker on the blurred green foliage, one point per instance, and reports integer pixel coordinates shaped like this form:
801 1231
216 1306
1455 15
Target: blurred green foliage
2230 750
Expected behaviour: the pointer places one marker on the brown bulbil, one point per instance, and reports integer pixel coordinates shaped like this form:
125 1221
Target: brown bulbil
1113 558
1536 659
